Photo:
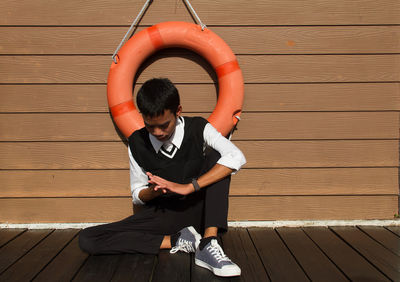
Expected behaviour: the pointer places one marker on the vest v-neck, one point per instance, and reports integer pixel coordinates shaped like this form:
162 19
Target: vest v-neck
186 162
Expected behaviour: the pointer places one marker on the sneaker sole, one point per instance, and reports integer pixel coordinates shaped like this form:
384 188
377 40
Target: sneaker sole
196 235
217 271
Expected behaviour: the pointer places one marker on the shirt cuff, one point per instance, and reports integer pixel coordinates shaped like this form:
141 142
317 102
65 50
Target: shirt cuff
231 162
135 196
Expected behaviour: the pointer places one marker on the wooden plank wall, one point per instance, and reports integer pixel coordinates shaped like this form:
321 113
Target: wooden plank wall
320 126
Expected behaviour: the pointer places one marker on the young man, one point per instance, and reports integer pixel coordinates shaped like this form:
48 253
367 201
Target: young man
180 171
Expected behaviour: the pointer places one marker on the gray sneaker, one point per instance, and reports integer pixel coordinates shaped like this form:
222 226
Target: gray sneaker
188 241
213 258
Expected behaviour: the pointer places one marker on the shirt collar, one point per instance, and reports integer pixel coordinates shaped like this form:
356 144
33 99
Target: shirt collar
176 137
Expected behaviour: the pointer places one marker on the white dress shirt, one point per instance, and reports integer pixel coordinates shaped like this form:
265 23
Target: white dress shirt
231 156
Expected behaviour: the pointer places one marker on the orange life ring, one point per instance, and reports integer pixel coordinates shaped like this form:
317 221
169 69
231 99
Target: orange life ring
183 35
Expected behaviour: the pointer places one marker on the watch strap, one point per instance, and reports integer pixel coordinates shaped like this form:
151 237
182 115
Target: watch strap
195 185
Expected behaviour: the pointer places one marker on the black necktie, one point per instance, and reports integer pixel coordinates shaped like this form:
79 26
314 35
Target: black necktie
169 153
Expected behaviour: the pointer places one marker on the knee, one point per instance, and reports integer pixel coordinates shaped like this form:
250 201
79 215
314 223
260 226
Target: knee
86 242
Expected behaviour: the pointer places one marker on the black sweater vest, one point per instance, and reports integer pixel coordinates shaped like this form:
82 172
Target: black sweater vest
188 160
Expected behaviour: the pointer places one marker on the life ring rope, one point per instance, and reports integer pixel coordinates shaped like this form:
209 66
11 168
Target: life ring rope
139 16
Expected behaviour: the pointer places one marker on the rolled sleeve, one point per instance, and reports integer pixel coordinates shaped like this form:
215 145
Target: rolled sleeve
138 179
231 156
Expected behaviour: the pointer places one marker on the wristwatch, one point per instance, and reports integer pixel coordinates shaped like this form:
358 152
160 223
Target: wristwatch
195 184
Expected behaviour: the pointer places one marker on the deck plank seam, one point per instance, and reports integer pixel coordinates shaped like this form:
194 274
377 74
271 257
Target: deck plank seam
27 252
80 268
326 255
376 240
391 231
259 256
290 251
54 257
120 258
16 236
153 270
359 253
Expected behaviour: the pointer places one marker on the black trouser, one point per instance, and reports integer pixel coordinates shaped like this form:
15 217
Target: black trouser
144 231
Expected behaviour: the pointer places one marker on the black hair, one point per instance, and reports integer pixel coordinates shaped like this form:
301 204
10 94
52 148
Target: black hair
157 95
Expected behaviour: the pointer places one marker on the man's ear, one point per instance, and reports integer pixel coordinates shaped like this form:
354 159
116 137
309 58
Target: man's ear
179 110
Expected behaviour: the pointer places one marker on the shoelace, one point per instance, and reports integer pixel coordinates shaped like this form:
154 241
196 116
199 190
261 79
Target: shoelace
183 245
216 250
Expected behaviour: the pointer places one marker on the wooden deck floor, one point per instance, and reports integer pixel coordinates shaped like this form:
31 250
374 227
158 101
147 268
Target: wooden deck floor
264 254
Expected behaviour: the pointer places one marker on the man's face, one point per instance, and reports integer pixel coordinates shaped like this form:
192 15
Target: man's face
162 126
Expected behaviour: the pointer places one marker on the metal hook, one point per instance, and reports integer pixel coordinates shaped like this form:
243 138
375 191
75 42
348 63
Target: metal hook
203 26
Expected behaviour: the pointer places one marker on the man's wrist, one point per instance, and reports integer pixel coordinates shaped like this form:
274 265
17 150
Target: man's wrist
149 193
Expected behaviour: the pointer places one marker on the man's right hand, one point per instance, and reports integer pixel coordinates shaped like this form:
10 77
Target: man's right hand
149 193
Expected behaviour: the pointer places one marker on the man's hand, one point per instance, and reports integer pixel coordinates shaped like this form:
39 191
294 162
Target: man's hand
149 193
165 185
